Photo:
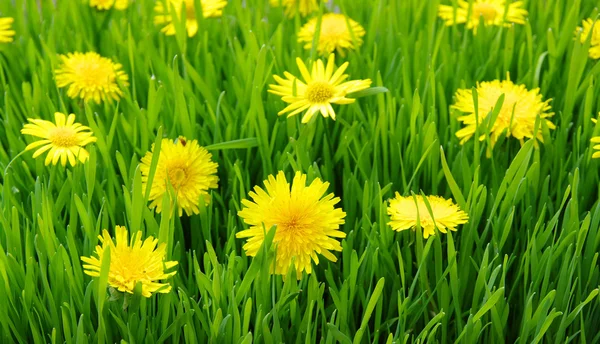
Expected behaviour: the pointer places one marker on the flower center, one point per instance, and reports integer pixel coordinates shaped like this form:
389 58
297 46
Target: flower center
63 137
95 74
177 176
319 92
487 11
425 217
506 114
292 224
333 28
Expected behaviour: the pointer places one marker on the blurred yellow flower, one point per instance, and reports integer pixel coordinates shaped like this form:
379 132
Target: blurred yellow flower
164 15
321 88
131 263
596 147
586 30
520 109
65 140
6 31
493 12
291 7
90 76
187 167
104 5
408 212
338 33
307 222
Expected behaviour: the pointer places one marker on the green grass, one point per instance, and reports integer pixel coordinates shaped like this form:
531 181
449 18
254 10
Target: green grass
524 269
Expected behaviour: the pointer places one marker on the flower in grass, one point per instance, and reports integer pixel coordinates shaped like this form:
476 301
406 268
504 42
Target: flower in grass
338 33
586 31
596 147
164 13
307 222
291 7
64 140
518 114
407 212
130 263
90 76
319 89
184 166
492 12
6 31
104 5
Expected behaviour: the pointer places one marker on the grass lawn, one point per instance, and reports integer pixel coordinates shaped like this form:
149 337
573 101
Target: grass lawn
520 267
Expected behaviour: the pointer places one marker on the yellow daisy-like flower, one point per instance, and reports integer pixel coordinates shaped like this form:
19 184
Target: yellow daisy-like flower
164 16
131 263
187 167
90 76
596 147
65 140
104 5
307 222
291 7
520 109
338 33
406 213
6 31
320 88
586 31
493 12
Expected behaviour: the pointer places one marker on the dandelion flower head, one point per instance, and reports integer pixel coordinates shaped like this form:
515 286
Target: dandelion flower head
596 141
164 13
132 262
591 27
338 33
407 212
6 31
306 218
90 76
318 89
517 116
64 140
492 12
186 167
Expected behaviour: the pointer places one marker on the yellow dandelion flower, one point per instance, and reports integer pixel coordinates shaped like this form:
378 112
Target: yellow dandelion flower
338 33
320 88
596 147
307 222
210 9
404 211
517 116
586 30
6 31
104 5
130 263
291 7
90 76
65 139
187 167
493 13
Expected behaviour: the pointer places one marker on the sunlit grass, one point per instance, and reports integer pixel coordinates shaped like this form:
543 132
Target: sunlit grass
523 269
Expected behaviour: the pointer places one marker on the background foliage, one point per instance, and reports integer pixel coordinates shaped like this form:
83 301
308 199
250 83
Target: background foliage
524 269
